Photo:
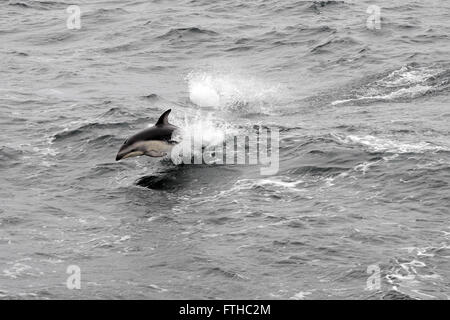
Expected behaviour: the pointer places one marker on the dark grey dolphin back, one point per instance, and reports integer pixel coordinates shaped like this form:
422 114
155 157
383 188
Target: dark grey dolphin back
162 130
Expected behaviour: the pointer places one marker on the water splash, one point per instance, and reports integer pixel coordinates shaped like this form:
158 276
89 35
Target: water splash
232 92
205 131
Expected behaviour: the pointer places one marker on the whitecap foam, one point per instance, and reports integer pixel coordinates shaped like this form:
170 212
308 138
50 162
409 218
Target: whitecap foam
300 295
18 269
412 277
364 167
376 144
408 82
410 93
281 182
409 75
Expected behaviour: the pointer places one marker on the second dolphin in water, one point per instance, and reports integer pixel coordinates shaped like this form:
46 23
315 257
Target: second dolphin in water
155 141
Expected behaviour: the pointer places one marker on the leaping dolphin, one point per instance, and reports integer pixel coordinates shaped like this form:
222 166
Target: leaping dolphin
155 141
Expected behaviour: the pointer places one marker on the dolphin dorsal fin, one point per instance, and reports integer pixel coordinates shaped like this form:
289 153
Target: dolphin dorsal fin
164 118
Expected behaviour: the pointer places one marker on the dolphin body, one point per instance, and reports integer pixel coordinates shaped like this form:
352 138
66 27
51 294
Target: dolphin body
155 141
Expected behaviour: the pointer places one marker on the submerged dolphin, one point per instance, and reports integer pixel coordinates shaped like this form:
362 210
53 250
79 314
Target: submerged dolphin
153 142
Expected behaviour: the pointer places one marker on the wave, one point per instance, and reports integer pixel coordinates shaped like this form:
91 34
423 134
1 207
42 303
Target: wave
376 144
396 295
105 14
83 127
187 33
334 43
230 274
40 5
339 155
50 38
275 184
158 182
115 111
151 97
311 31
322 4
107 11
8 154
86 128
408 82
19 269
414 277
104 139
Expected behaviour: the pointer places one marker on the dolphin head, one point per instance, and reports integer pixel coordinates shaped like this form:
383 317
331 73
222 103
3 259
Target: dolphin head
128 150
154 141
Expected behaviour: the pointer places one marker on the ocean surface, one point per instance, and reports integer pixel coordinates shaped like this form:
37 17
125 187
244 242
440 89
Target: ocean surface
362 192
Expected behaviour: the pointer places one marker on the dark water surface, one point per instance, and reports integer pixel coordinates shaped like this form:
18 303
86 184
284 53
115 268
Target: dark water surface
364 149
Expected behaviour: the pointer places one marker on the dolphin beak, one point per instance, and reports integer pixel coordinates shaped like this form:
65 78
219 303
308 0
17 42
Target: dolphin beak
121 154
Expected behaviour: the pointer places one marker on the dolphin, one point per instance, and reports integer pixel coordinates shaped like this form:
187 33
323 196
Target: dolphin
155 141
